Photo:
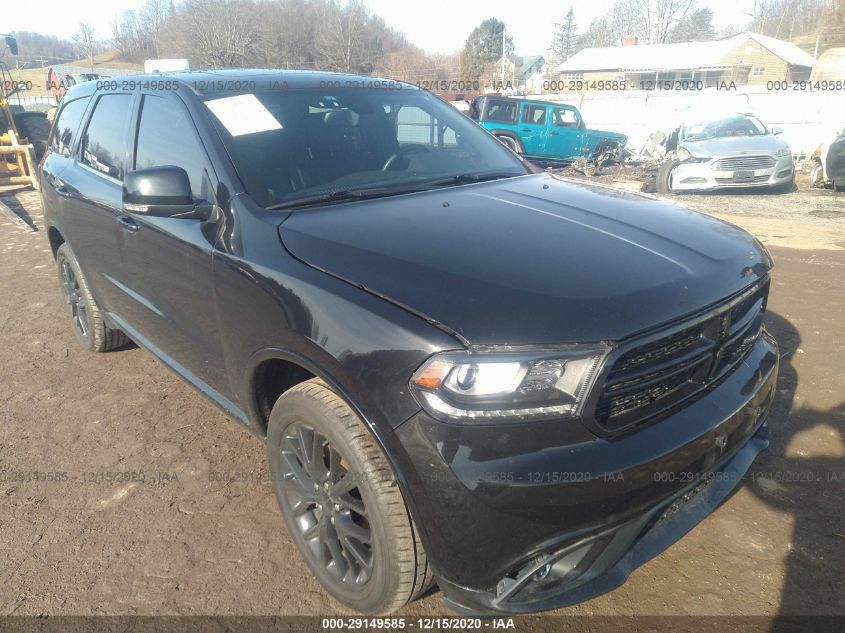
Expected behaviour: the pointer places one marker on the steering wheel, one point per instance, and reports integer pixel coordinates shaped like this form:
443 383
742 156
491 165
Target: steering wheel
408 149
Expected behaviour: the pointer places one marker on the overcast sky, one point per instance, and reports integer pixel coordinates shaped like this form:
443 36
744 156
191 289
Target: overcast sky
439 26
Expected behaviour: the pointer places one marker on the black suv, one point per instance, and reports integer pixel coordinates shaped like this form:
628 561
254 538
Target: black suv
514 385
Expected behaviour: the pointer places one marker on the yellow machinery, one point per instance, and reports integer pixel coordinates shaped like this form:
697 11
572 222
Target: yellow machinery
18 158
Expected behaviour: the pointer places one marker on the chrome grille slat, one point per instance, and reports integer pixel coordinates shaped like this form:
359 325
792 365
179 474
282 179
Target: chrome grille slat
744 162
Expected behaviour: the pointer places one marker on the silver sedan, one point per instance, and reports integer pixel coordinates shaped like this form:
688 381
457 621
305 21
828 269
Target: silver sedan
732 151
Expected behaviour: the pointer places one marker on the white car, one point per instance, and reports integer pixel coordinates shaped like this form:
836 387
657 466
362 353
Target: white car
727 152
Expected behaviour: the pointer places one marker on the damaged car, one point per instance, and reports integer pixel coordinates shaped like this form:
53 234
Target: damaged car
543 131
726 152
829 163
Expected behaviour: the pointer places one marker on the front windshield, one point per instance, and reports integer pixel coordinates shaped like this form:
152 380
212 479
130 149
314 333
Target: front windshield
309 142
737 125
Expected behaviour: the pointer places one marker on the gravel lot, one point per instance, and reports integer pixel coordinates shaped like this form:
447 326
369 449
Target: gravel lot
182 543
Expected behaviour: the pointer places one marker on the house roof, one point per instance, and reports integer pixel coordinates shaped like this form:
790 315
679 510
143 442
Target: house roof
682 55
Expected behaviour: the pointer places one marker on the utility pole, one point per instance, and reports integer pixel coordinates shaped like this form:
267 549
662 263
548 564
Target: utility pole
503 55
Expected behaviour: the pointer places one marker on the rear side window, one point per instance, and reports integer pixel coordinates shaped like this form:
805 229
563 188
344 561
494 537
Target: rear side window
67 124
166 136
103 146
534 114
502 111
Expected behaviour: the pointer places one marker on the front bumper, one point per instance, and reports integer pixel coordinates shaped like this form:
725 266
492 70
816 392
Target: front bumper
690 176
531 518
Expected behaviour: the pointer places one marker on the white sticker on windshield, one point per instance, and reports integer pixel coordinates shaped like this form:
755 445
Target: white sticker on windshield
243 114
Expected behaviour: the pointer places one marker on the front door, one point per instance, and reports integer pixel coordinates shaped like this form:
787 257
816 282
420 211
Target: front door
566 133
169 259
532 128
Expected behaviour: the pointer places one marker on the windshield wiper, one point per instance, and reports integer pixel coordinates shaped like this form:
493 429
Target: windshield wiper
460 179
344 195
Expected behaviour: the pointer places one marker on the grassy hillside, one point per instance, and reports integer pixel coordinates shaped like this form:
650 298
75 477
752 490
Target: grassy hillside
831 37
38 76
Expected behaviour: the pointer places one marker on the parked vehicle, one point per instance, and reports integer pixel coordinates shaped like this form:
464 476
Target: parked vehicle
829 163
545 131
726 152
519 386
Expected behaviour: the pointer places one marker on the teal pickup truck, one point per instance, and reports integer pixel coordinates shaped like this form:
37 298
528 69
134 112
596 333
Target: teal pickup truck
543 130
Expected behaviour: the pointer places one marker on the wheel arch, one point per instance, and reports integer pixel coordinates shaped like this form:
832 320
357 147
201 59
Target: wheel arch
511 135
56 239
297 361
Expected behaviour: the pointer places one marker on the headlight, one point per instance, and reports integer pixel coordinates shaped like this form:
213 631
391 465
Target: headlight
488 386
684 155
785 151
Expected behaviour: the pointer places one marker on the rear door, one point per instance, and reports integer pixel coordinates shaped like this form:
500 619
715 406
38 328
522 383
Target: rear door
566 134
63 139
169 259
90 189
532 130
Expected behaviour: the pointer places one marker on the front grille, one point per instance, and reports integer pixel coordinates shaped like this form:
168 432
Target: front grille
667 370
754 180
744 162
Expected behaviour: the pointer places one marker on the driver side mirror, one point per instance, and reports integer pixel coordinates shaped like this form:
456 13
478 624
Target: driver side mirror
777 130
12 43
163 192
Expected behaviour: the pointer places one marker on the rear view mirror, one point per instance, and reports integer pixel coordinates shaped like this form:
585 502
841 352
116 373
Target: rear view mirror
161 192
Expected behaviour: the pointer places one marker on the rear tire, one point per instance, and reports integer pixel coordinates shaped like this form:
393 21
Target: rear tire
85 315
328 471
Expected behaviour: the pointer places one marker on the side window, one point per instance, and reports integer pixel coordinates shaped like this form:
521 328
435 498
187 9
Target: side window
502 111
415 125
67 124
566 117
535 114
166 136
102 144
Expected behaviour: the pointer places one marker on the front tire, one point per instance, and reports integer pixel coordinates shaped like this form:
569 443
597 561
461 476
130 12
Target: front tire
340 501
85 315
664 176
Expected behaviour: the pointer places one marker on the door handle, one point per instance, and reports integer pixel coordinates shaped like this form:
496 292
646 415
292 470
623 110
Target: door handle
526 129
554 133
59 187
128 223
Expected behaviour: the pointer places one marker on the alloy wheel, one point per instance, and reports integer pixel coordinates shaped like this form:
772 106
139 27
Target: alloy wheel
75 300
325 501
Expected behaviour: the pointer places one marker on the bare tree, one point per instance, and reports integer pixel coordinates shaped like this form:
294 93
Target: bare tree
219 33
344 42
652 21
153 15
86 42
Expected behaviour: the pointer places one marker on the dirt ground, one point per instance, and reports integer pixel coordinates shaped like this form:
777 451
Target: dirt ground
182 542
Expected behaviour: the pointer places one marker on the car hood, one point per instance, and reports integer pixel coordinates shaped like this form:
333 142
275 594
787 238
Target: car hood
733 145
532 260
605 135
